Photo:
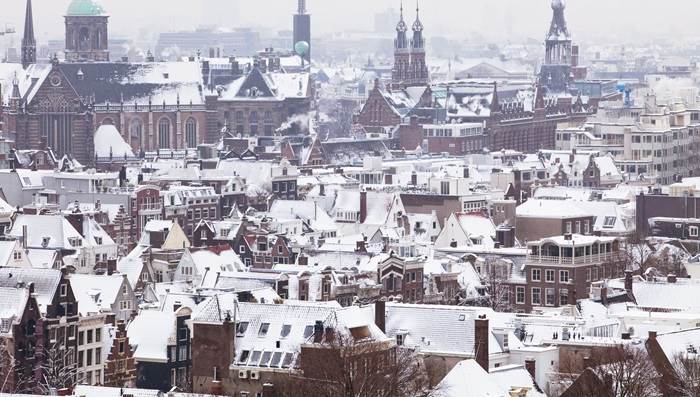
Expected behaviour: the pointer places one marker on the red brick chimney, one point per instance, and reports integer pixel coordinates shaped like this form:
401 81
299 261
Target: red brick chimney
481 341
604 295
531 367
628 281
380 314
363 206
216 388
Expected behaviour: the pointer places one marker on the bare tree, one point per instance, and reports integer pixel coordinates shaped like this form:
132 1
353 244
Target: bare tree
58 368
687 371
13 378
639 255
347 366
498 294
620 371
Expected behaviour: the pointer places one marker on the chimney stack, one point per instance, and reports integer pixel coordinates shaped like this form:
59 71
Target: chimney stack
604 295
318 332
628 281
531 367
380 314
363 206
481 341
671 278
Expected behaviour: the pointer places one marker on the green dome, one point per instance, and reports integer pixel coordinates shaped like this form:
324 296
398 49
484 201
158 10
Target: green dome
84 8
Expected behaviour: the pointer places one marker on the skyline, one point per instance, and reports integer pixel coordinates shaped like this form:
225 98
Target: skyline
493 21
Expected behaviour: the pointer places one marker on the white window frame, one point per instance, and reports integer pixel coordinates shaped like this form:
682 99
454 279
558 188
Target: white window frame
538 294
539 275
547 273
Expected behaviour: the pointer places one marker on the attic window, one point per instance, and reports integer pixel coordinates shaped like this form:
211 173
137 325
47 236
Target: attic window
264 327
286 328
609 221
242 327
166 75
98 240
308 331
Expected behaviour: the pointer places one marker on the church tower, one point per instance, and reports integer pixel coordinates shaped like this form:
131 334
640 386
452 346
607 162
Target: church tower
402 55
86 32
28 41
555 73
418 70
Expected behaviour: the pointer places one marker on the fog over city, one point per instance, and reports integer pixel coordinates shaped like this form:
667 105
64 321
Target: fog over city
628 20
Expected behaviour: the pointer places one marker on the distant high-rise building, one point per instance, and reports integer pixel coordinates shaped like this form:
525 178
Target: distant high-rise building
555 73
302 27
86 32
409 57
28 41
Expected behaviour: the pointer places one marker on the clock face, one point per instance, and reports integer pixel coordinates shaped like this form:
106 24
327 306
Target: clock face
55 80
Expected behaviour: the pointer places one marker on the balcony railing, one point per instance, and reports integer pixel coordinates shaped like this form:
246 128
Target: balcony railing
579 260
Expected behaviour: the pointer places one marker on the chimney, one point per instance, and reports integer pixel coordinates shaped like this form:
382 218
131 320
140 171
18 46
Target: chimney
671 278
530 366
628 281
268 390
652 335
604 296
216 388
322 190
64 392
24 237
626 336
481 341
414 178
318 332
363 206
380 314
466 172
587 362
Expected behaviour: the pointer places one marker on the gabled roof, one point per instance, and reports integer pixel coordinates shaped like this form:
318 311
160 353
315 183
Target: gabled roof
45 282
14 300
96 293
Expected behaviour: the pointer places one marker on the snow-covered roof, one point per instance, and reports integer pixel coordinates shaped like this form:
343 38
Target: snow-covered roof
46 231
95 294
469 379
13 300
110 143
150 332
45 282
550 209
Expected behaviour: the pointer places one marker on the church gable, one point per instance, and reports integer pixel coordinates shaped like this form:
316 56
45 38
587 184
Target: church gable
255 85
55 95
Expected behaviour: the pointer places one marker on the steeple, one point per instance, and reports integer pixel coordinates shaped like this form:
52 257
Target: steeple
495 103
401 42
301 10
28 41
417 30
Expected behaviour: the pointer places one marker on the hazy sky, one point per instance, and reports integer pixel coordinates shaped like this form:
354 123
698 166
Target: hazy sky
494 19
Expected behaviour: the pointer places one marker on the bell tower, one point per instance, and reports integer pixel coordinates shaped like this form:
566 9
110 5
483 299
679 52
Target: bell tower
418 70
555 73
87 36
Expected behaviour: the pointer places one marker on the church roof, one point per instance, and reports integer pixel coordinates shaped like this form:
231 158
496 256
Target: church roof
84 8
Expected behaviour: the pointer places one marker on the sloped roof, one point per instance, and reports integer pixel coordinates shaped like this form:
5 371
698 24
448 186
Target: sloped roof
95 293
109 142
45 282
150 331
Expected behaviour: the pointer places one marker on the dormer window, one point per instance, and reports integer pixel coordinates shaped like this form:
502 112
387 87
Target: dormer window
98 240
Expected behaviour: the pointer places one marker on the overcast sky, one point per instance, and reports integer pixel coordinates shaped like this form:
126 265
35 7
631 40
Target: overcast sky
494 19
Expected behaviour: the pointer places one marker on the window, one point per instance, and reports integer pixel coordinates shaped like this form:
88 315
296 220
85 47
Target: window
549 275
88 357
588 274
98 355
136 132
549 297
563 297
164 134
445 188
17 255
286 328
578 227
264 327
536 275
519 295
64 290
693 231
308 331
609 222
568 227
563 276
89 336
587 227
536 296
191 132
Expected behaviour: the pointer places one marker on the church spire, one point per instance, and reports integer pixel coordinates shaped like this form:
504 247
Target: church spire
401 42
495 102
28 41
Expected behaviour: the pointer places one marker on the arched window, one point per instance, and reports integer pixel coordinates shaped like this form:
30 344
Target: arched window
191 132
136 133
84 39
253 122
164 134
